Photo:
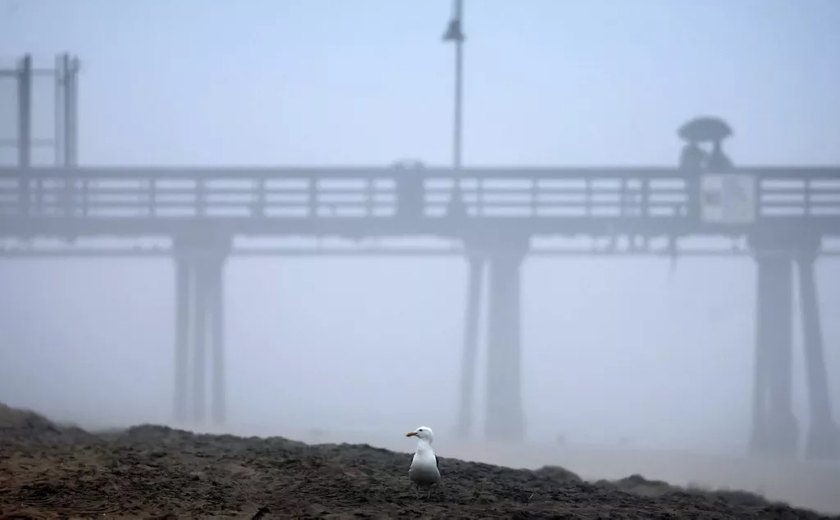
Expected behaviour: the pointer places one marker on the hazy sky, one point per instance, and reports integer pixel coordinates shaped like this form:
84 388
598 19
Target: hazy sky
547 82
611 347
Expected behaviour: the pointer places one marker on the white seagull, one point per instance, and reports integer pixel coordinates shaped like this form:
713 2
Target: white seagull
424 469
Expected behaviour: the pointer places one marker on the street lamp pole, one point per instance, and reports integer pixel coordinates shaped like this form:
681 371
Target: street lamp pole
455 34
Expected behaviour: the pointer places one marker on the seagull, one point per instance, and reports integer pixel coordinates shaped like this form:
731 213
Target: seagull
424 469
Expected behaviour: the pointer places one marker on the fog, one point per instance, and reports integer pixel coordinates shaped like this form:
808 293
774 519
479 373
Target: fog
618 352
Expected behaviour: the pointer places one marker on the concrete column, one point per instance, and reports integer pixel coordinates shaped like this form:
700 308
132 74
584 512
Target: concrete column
468 364
199 306
182 337
199 325
823 440
774 425
505 418
217 333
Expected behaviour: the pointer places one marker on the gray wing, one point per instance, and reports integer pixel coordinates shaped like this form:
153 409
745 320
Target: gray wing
437 462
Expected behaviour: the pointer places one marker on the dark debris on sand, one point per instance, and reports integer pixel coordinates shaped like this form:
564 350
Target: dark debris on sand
49 471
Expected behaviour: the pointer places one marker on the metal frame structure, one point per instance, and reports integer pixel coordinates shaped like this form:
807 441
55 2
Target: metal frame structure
64 141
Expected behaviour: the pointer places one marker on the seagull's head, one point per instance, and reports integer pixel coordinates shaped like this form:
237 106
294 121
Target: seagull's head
423 433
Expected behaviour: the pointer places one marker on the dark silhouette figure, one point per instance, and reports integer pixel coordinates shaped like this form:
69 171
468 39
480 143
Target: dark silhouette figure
718 161
409 188
703 130
693 158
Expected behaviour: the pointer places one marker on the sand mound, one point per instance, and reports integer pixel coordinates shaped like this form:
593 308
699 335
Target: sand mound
158 472
26 425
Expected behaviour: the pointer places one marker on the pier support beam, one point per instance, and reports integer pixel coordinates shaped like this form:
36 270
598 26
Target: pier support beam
183 289
199 327
823 441
505 418
501 257
215 318
475 265
774 425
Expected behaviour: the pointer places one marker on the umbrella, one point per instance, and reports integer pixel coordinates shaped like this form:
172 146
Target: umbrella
705 129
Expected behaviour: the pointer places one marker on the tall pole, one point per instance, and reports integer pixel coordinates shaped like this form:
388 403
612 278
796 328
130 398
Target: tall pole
24 130
68 110
58 129
459 69
24 137
71 69
475 266
454 33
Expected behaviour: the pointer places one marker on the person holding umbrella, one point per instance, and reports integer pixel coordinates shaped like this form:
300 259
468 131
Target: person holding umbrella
694 160
705 129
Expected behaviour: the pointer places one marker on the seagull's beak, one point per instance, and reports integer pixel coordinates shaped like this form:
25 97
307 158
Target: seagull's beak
411 434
